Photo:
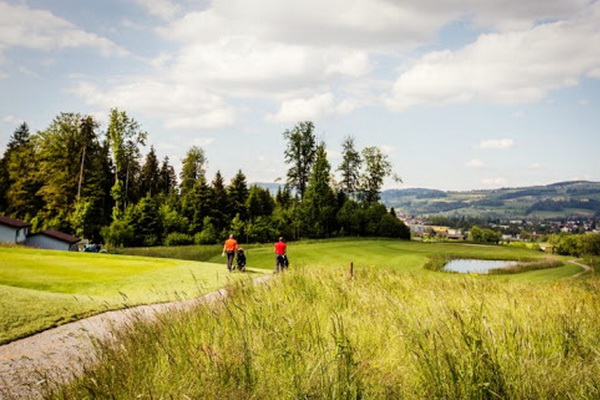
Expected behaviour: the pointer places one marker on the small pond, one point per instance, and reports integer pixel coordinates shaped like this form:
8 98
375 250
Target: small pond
474 266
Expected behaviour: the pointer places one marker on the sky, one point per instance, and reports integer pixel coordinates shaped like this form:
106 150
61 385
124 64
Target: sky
459 94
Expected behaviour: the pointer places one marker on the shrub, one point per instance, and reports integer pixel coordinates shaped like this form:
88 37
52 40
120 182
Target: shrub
178 239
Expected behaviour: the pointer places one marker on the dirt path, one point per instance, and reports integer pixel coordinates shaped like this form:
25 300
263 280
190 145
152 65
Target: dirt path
29 365
586 268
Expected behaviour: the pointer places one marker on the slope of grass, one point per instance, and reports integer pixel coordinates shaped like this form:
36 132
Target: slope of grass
315 333
42 288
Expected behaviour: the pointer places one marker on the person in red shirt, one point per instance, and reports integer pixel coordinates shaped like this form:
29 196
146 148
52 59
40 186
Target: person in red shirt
230 247
280 255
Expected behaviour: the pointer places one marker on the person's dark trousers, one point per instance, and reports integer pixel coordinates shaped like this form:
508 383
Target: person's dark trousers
230 256
279 263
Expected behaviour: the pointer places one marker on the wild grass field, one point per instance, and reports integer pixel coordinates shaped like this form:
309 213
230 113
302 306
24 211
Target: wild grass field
388 333
40 289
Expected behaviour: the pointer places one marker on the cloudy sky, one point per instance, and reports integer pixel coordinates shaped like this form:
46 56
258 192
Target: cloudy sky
460 94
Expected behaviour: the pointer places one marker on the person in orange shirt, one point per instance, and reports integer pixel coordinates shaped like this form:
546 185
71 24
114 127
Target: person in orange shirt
230 247
280 255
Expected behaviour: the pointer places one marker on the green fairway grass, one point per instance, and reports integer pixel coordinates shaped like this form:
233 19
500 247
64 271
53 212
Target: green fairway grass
42 288
404 256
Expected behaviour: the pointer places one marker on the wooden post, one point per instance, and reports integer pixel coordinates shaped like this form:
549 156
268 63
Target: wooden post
351 270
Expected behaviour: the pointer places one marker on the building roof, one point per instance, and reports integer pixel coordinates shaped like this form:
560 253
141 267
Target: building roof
63 237
12 222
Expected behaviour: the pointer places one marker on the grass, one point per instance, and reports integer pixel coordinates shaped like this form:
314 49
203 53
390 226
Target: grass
191 252
388 333
42 288
404 256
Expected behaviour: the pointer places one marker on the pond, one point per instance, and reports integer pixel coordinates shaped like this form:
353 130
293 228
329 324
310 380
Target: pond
474 266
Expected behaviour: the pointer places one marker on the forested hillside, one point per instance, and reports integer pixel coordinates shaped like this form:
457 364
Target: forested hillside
558 200
98 185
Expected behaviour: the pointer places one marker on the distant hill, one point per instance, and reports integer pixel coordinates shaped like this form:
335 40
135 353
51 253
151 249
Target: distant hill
554 201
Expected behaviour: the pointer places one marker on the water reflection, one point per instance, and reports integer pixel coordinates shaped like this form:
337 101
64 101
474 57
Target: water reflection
474 266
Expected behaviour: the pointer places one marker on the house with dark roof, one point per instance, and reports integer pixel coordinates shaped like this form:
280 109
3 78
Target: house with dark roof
54 240
13 231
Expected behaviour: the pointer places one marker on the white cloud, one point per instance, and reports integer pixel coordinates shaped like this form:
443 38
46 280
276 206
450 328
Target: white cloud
506 67
179 106
165 9
313 108
387 149
11 120
203 142
474 163
536 165
497 144
41 30
496 182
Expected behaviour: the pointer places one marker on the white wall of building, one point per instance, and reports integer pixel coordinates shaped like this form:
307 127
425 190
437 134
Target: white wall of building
46 242
9 234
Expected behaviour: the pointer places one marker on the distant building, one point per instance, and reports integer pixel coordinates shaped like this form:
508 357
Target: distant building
54 240
13 231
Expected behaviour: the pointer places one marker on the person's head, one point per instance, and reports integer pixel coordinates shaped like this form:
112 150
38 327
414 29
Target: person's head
281 238
231 236
240 250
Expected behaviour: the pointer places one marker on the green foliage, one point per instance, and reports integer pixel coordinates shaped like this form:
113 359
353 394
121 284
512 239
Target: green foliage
178 239
238 193
172 220
261 230
259 202
146 222
377 168
209 234
118 233
150 174
319 205
484 235
193 169
587 244
350 168
300 153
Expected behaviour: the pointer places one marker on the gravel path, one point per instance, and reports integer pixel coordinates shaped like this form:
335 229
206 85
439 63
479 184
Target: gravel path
29 365
586 268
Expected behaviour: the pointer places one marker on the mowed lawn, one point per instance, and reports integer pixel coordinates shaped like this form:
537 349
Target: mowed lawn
40 289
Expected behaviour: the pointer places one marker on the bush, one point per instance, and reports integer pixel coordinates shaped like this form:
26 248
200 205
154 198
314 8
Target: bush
178 239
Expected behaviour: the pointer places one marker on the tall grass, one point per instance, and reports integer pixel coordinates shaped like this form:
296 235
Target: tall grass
317 334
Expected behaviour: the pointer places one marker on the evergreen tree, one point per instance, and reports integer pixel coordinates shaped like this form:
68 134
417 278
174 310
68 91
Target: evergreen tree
168 178
300 153
238 192
319 205
71 169
147 223
19 178
350 168
150 176
259 203
220 212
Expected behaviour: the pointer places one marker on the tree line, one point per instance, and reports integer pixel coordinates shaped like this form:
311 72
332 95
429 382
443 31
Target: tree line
96 184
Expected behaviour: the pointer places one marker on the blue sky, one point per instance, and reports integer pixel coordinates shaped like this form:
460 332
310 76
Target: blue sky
460 94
